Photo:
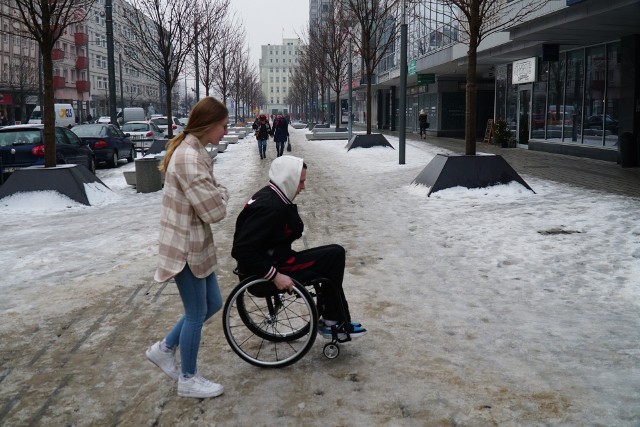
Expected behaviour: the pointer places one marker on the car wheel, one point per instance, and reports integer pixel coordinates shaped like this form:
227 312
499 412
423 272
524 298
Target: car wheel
132 155
113 162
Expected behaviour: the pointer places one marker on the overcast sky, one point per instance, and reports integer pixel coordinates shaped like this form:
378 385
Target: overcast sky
266 22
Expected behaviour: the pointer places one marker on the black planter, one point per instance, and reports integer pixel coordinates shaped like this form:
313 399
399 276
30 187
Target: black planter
446 171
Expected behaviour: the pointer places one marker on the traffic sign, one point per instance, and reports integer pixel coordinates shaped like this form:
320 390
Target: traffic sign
411 67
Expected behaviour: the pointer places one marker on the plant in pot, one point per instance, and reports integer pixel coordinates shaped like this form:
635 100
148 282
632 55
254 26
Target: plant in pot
501 133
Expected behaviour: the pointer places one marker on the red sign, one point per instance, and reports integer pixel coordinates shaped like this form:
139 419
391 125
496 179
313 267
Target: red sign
6 99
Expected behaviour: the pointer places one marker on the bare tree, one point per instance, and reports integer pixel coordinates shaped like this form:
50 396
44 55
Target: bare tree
477 20
231 39
23 81
377 26
308 76
164 30
241 74
45 22
330 46
211 27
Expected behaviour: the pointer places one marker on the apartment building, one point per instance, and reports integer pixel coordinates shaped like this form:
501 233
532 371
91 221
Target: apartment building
79 68
277 65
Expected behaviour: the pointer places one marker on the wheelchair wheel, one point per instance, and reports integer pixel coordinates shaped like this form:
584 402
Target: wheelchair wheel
268 328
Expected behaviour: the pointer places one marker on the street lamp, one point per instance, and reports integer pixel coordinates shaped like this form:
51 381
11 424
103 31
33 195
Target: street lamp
403 86
350 79
110 61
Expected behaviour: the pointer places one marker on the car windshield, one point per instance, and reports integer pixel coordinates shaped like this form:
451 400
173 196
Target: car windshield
135 127
162 121
20 137
90 130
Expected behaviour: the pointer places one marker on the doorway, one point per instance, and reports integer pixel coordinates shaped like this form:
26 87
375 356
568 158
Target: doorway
524 113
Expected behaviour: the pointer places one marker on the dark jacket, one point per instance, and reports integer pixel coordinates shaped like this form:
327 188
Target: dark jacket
424 121
265 229
263 130
280 130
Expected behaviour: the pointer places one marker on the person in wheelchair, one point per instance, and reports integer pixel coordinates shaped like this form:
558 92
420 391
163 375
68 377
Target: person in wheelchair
266 228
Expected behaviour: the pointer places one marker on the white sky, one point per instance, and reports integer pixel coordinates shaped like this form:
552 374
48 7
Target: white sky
471 297
265 22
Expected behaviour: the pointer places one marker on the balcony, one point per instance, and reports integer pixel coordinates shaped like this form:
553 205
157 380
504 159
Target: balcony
82 86
81 39
57 54
82 63
58 82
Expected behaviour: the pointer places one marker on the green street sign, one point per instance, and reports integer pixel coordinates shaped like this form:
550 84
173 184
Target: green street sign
425 79
323 105
411 67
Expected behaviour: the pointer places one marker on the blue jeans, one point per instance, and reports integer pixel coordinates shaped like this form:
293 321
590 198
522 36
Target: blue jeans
262 147
201 299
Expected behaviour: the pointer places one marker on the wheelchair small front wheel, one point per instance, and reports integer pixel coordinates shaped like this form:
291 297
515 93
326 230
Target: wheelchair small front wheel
331 350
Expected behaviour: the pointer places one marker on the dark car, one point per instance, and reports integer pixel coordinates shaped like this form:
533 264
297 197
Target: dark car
595 122
23 146
107 142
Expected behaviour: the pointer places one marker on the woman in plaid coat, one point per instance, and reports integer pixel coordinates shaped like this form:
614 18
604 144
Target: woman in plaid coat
191 202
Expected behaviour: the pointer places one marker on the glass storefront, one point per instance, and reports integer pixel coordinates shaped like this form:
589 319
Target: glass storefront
574 100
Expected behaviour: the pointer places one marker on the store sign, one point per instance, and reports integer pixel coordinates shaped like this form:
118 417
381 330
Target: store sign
525 71
425 79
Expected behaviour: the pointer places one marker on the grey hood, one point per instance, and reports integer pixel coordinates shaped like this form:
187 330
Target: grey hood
285 172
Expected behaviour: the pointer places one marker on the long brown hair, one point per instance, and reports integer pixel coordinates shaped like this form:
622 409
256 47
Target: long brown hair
204 115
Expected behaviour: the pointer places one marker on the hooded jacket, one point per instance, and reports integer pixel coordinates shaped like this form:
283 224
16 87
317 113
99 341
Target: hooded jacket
269 222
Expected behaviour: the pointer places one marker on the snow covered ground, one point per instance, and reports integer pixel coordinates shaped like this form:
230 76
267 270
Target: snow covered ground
489 306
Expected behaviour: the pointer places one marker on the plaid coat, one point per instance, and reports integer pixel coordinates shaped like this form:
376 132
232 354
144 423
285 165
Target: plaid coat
192 200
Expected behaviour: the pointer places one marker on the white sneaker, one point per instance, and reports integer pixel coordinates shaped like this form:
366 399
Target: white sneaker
198 386
164 360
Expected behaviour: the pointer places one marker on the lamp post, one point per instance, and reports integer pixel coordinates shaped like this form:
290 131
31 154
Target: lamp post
350 79
403 86
111 61
121 84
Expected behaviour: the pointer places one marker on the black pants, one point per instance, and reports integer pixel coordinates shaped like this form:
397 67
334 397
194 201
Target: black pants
327 262
280 148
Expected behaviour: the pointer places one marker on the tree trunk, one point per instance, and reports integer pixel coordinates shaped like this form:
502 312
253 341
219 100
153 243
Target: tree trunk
47 110
368 111
338 110
471 92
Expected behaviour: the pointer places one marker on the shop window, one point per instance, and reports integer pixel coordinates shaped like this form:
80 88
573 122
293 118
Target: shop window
539 101
614 89
571 112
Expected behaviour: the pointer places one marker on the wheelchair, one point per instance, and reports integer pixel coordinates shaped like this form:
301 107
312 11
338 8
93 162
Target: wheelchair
270 328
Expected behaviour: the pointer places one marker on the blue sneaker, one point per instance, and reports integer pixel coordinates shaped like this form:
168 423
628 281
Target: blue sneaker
354 331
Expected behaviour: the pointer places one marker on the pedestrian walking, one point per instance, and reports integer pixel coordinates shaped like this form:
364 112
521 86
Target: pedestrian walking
423 119
191 202
263 130
280 134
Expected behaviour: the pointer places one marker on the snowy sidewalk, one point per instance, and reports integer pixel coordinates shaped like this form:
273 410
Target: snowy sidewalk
485 307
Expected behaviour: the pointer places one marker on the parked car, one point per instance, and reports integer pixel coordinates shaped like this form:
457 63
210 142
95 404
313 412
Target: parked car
107 142
595 122
104 120
162 123
23 146
142 133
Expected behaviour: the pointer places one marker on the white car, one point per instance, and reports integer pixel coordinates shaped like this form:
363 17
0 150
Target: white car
143 133
161 122
104 120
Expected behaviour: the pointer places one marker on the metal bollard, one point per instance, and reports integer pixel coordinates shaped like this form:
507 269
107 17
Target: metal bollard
148 177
